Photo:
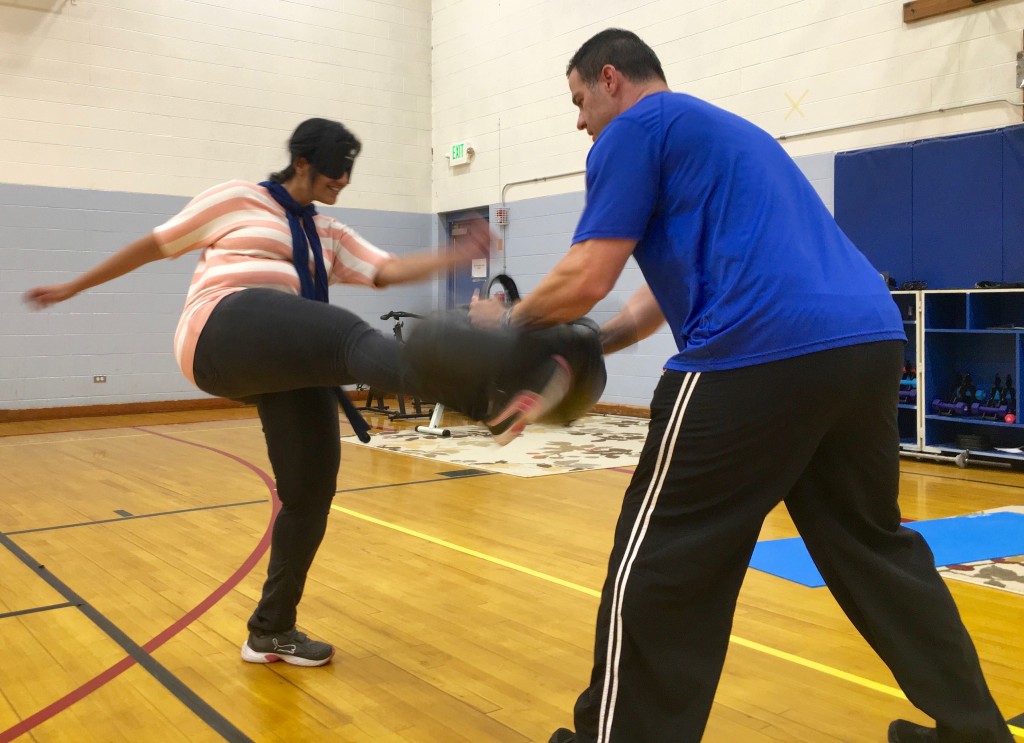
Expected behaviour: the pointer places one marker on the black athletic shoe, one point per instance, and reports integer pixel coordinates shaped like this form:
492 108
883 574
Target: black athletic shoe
563 735
520 408
291 646
904 731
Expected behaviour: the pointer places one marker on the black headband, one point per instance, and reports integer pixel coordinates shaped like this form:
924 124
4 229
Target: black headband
335 154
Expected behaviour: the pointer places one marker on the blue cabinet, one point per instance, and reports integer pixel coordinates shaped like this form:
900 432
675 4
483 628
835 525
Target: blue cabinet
971 363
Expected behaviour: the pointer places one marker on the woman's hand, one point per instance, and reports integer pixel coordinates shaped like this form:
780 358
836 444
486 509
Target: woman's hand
475 242
44 296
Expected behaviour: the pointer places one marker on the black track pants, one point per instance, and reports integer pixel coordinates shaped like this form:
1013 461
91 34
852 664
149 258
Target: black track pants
819 432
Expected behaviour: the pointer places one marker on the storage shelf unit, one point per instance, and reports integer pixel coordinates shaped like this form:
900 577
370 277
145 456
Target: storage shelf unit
978 332
909 416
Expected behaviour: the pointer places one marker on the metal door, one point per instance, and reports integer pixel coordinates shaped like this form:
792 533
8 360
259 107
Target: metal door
465 279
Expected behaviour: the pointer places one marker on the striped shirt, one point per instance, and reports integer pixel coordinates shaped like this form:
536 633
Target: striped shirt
247 243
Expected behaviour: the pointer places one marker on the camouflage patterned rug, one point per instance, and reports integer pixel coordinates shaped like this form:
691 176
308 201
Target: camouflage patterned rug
594 442
1005 573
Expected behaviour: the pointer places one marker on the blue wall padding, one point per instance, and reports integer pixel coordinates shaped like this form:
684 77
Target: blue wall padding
954 541
1013 203
958 209
962 197
873 205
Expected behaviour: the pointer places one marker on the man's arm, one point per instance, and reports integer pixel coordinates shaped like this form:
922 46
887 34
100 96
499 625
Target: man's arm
581 279
639 318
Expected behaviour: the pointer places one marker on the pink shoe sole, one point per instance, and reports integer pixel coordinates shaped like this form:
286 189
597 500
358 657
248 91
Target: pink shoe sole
527 406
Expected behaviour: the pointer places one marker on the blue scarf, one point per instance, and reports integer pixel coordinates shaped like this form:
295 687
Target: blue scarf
304 237
313 286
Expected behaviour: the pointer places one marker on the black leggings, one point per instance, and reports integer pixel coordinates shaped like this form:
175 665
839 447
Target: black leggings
259 341
287 354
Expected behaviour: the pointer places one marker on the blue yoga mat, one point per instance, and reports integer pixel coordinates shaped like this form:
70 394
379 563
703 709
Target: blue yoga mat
954 541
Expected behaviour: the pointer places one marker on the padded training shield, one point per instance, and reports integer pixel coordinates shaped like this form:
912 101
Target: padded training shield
452 361
579 343
470 370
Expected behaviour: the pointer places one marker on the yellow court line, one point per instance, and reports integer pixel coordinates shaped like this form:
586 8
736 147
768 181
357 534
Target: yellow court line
750 644
471 553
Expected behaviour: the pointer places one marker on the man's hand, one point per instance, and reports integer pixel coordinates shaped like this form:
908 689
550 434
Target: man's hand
486 313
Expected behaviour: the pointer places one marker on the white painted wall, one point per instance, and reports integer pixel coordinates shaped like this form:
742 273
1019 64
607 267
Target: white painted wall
820 75
811 72
169 96
172 96
162 98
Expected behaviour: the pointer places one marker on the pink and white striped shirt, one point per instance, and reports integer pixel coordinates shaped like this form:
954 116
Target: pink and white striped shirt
247 243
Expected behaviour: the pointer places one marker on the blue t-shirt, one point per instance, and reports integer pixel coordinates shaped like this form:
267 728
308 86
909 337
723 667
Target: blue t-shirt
745 260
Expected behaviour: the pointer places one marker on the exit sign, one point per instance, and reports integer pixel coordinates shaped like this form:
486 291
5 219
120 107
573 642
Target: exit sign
459 153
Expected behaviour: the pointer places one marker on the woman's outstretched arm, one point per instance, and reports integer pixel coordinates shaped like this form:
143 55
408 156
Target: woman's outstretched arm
127 259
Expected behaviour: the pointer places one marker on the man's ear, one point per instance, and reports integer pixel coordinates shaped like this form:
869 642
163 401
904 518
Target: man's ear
301 166
609 78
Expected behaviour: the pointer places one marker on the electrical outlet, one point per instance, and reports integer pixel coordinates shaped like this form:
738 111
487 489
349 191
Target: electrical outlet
100 378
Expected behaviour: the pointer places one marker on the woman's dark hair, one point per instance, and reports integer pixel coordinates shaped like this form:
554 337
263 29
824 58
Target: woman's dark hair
328 146
623 50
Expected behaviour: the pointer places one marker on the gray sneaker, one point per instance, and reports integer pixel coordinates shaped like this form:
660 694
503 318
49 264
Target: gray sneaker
290 646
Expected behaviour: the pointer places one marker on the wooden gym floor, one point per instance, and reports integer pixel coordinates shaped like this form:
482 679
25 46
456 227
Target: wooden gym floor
132 551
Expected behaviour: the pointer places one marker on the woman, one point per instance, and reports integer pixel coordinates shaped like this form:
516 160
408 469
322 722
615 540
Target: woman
257 326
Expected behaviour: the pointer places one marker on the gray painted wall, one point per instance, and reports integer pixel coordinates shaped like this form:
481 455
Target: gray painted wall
125 328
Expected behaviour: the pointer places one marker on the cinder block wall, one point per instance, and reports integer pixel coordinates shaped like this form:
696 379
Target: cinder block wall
113 113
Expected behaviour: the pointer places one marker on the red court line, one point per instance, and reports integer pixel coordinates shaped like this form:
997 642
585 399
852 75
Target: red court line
218 593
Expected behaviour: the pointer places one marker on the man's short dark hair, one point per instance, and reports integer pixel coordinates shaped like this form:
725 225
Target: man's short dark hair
623 50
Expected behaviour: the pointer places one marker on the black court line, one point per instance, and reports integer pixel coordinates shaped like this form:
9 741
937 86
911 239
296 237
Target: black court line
167 679
130 517
1017 721
36 609
475 473
464 473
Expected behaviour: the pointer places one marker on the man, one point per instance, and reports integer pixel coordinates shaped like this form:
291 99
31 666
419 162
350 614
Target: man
784 389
